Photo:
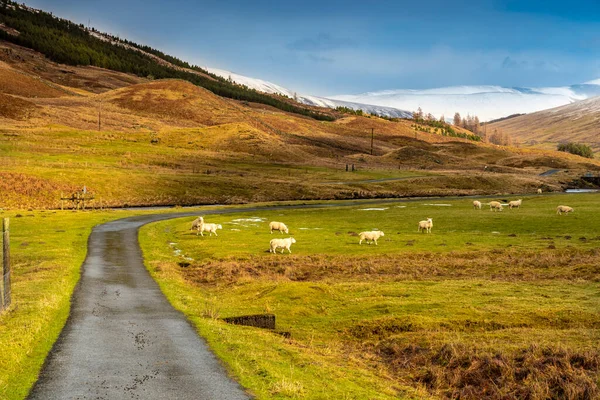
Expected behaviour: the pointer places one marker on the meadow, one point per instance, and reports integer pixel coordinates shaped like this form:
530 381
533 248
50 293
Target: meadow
489 305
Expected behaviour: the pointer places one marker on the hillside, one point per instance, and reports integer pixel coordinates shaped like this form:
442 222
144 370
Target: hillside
135 140
171 142
577 122
69 43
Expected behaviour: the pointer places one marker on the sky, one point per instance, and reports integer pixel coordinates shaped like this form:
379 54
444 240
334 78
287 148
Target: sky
333 47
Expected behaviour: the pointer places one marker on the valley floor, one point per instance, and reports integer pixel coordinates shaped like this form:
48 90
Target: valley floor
489 305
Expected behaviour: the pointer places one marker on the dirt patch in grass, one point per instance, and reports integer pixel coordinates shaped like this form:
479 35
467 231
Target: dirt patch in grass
462 372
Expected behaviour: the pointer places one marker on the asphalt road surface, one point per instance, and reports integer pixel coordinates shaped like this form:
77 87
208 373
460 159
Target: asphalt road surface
123 339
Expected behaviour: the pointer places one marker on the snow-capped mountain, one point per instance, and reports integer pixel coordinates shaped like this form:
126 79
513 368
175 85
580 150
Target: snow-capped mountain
487 102
269 87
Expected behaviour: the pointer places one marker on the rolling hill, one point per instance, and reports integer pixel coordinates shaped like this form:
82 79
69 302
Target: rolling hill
577 122
133 139
168 141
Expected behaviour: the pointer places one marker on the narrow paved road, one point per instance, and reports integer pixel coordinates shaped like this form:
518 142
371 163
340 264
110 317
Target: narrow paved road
550 172
381 180
123 339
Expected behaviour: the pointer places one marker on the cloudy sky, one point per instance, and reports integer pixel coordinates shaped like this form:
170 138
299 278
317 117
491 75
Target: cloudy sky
344 46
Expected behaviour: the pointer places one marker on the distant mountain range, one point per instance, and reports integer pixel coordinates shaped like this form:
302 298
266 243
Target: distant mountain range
487 102
269 87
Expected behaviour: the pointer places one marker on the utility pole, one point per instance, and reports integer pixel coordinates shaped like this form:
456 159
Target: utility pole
372 130
99 116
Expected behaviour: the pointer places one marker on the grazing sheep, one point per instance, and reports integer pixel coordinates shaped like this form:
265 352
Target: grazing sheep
371 235
426 225
563 210
211 228
539 191
477 204
495 206
197 222
278 226
514 204
281 243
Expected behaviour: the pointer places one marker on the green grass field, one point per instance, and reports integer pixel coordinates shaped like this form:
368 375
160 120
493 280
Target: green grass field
489 305
47 250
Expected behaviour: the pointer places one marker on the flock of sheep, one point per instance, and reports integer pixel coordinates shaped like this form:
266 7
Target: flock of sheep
369 236
285 244
497 206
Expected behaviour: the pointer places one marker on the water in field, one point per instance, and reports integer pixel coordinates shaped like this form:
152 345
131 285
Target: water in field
582 190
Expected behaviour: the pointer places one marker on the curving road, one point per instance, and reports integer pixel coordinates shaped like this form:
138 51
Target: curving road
123 339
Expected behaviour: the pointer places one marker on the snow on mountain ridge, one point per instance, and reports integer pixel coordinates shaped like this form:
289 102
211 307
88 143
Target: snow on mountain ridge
272 88
486 101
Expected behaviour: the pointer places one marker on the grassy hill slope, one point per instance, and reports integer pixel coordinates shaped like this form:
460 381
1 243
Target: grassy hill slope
576 122
170 142
138 141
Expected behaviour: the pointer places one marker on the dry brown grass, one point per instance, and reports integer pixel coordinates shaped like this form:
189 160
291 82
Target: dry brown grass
15 108
18 83
246 150
575 122
64 78
500 265
455 371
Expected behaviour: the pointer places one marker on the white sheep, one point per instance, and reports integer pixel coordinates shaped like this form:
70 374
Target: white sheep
426 225
495 206
278 226
477 204
370 235
211 228
563 210
514 204
281 243
195 223
539 191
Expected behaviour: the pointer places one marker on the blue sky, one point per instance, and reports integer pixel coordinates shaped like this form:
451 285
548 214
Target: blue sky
343 47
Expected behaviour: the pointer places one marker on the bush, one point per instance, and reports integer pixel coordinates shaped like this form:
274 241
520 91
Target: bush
579 149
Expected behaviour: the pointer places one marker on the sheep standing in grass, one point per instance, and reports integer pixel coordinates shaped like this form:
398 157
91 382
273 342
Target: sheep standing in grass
514 204
278 226
495 206
197 222
371 235
539 191
282 244
563 210
211 228
477 204
426 225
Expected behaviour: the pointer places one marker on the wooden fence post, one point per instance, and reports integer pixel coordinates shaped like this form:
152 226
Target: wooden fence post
6 263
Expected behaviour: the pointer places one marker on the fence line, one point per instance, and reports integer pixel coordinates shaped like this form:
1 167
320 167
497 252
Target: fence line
6 292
